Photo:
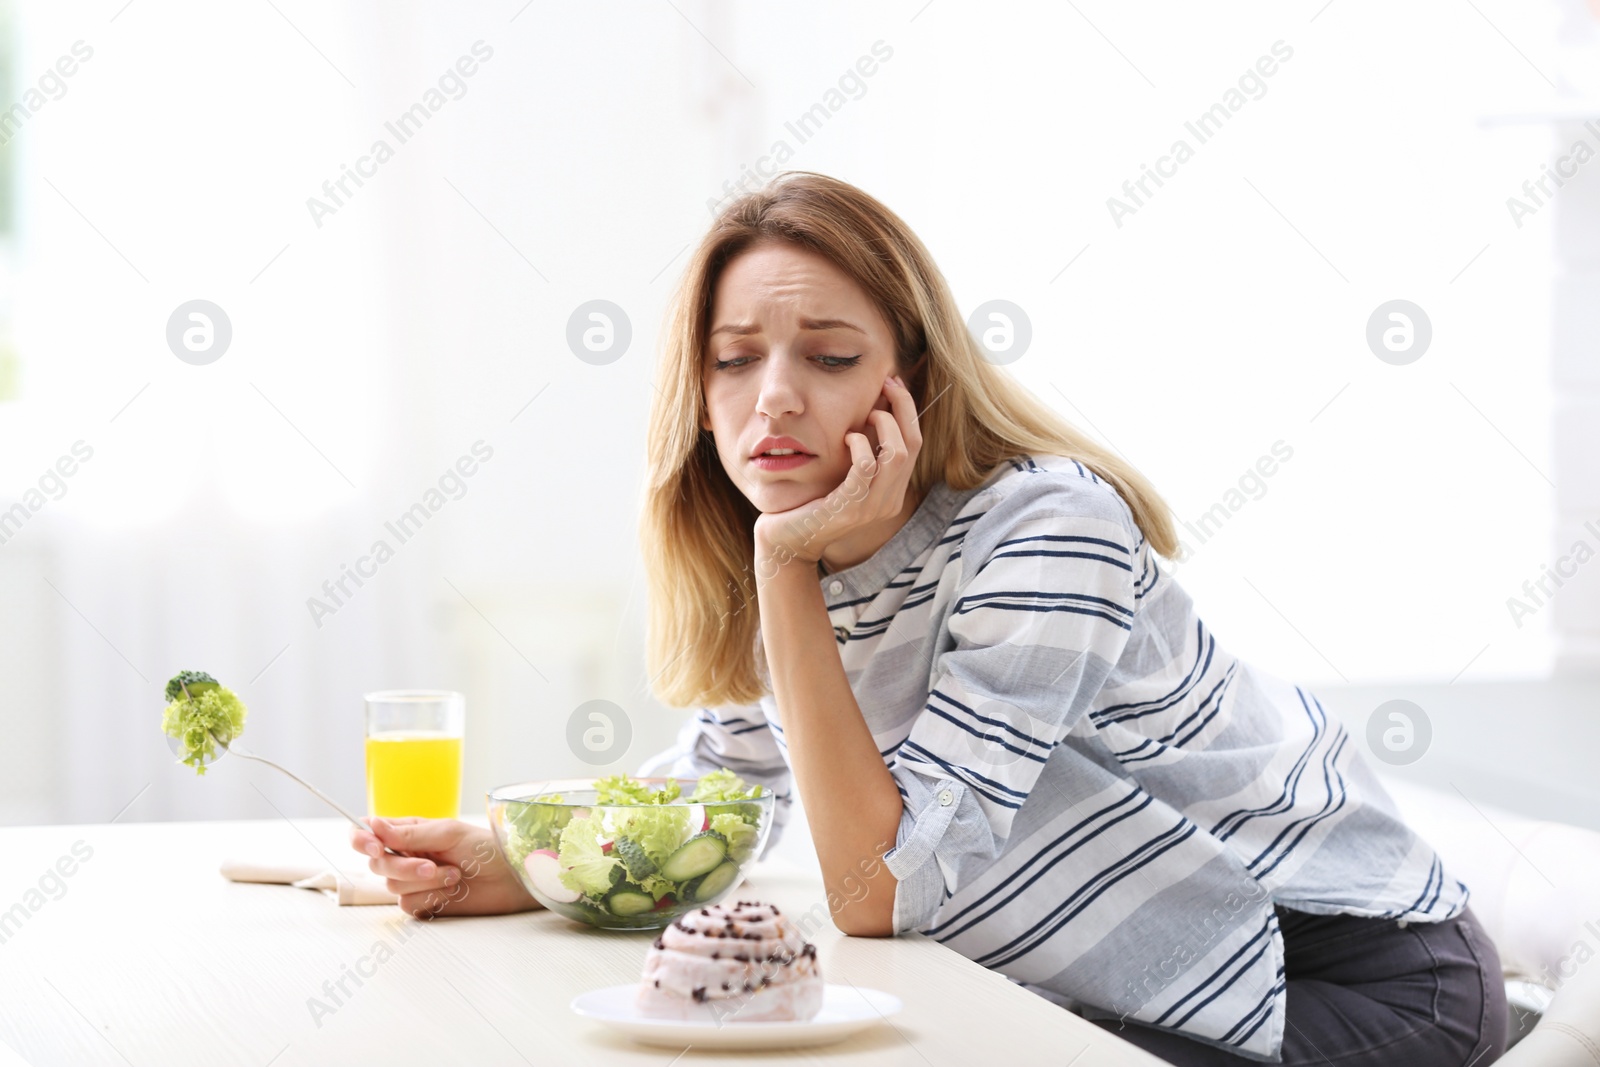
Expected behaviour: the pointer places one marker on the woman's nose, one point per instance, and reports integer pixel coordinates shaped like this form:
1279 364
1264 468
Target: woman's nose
779 394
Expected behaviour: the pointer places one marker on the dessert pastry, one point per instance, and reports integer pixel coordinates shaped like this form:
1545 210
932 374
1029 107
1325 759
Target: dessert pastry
745 963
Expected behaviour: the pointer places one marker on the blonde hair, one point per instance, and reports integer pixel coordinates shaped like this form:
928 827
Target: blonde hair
696 527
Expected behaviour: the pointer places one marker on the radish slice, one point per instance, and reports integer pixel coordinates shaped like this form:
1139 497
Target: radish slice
605 846
698 820
543 870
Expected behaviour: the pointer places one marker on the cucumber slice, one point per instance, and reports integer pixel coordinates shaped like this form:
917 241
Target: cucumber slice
627 900
196 682
696 856
639 865
583 910
710 886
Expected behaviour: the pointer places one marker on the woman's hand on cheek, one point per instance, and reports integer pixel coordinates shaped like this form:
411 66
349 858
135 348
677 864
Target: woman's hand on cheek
874 488
867 427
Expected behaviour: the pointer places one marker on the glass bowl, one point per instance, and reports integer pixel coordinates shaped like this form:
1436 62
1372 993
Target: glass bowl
626 866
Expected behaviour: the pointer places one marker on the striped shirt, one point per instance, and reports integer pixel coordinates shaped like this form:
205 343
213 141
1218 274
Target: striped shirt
1101 802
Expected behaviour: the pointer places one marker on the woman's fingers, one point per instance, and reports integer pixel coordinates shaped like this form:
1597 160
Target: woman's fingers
416 835
366 841
857 485
899 439
424 885
443 879
905 410
906 433
892 468
891 442
402 835
416 869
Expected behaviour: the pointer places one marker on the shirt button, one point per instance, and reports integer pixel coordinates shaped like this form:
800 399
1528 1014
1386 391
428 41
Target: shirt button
945 797
836 587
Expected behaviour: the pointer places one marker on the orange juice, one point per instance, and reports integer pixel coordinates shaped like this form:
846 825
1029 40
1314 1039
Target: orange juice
414 772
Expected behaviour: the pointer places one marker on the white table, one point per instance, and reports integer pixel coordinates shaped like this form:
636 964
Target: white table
146 955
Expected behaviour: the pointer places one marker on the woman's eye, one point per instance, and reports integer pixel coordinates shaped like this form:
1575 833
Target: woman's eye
830 362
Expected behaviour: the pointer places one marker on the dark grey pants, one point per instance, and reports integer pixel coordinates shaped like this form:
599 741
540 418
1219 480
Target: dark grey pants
1369 991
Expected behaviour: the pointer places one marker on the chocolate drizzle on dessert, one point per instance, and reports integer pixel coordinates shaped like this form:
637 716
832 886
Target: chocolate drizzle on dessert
686 964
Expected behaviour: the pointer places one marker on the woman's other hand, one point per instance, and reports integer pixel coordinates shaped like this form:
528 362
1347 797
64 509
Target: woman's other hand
452 867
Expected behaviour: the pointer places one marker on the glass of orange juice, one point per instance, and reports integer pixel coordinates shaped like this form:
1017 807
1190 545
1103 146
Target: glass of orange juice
414 753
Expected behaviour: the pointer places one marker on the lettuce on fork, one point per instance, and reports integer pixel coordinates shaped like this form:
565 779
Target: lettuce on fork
199 707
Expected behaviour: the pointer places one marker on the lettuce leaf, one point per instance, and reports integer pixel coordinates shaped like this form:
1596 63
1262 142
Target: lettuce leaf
585 867
216 710
658 830
533 826
723 784
657 820
657 886
624 789
741 834
720 790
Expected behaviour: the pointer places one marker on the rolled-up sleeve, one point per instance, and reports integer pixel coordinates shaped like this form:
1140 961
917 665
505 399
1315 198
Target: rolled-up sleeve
737 737
1033 635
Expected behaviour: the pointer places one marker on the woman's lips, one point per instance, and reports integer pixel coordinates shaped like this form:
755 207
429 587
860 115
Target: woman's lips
781 463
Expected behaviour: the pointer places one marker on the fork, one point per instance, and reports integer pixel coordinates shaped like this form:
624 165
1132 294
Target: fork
334 804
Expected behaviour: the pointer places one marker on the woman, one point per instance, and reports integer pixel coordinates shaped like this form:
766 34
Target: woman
888 575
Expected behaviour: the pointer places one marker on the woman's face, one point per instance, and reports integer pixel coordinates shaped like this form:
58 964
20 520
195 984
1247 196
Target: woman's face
795 350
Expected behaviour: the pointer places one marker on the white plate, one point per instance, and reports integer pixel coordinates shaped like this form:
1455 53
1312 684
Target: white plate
845 1010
